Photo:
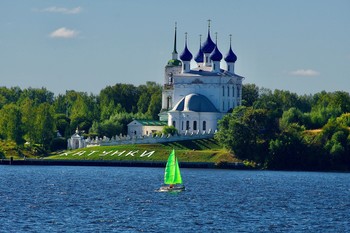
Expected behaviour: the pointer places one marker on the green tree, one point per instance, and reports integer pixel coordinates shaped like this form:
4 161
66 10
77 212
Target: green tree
28 119
169 130
344 119
10 123
61 104
62 123
250 94
9 95
246 132
44 124
37 95
287 150
155 105
293 115
143 102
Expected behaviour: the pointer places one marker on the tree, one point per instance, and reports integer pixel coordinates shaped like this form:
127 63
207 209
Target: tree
28 119
9 95
124 94
169 130
250 93
344 119
246 132
293 115
10 123
287 150
155 105
62 123
143 102
38 96
44 124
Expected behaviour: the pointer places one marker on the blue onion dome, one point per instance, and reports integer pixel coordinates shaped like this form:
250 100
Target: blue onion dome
186 55
200 55
208 45
216 55
231 56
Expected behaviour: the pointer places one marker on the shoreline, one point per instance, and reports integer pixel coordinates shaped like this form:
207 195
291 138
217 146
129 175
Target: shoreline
111 163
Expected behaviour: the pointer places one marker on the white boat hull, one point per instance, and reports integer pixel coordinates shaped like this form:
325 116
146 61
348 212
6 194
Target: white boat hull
173 189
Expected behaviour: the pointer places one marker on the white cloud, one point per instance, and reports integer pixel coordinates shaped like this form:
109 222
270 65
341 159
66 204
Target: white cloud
64 33
305 72
62 10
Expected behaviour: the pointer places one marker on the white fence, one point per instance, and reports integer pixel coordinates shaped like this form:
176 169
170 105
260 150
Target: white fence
151 139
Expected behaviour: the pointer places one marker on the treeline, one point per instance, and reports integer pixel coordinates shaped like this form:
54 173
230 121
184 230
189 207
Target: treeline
37 116
283 130
276 129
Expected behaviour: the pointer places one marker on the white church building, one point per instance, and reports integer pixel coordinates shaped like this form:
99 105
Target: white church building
195 98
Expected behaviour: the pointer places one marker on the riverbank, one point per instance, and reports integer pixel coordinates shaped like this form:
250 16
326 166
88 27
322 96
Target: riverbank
203 153
120 163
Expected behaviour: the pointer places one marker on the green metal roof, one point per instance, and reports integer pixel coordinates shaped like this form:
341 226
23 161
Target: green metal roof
173 62
152 123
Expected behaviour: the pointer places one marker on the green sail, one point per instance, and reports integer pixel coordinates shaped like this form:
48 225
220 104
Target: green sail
172 173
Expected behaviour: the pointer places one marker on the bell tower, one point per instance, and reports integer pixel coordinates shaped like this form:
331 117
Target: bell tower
173 67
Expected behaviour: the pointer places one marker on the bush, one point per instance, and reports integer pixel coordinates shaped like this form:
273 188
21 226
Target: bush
169 130
2 154
58 144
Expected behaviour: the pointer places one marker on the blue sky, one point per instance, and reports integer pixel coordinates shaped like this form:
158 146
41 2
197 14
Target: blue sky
300 46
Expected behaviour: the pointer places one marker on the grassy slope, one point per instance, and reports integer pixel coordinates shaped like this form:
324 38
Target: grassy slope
10 149
204 150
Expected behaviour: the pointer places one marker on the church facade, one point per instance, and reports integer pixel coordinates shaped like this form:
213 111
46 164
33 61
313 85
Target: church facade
195 98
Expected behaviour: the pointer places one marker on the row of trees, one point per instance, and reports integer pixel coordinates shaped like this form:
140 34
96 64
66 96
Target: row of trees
281 130
277 129
37 115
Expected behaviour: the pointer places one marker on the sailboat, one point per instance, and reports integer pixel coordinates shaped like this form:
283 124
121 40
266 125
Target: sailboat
172 175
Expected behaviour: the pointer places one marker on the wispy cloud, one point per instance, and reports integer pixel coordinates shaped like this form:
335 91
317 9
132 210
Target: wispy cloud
62 10
64 33
305 72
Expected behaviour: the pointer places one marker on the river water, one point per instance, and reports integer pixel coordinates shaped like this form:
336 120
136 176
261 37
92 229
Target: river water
118 199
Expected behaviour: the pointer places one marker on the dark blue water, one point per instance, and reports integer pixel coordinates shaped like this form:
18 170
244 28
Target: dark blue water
116 199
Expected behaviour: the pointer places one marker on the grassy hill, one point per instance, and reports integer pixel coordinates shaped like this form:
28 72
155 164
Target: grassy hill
203 150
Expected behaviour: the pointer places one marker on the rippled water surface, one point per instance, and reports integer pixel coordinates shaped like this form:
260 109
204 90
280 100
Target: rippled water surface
117 199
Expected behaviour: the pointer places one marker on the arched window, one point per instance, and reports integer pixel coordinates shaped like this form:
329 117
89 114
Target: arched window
228 91
204 125
182 125
187 125
233 91
194 125
223 91
174 123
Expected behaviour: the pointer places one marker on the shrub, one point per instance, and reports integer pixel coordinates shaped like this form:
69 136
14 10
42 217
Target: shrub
58 144
2 154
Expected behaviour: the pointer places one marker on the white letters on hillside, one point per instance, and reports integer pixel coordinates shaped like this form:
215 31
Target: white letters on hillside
111 153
